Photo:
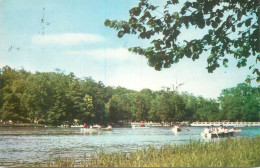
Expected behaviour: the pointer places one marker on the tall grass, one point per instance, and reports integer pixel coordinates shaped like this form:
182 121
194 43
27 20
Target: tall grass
244 152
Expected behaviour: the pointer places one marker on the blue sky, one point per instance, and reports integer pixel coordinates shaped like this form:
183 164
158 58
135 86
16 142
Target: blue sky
72 37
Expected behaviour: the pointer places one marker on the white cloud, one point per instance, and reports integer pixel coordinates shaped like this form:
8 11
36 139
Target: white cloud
109 53
67 39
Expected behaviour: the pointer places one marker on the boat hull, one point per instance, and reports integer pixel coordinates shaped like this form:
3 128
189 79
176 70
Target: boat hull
92 130
217 135
77 126
134 127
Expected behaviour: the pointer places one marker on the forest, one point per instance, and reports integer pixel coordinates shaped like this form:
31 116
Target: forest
56 97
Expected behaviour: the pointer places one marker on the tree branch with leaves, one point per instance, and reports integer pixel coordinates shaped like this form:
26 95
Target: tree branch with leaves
232 30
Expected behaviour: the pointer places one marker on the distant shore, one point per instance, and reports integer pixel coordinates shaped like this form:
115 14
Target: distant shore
22 125
153 124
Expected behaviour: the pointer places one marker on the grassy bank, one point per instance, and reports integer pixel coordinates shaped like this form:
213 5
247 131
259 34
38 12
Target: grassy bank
244 152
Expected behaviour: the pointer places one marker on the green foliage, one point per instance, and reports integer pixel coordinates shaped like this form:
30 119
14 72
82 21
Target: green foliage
56 98
240 103
232 30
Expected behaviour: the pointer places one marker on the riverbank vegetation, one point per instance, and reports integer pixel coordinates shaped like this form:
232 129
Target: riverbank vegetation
56 97
240 152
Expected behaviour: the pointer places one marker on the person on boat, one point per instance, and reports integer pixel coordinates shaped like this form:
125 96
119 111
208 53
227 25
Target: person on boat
176 126
141 125
99 127
221 128
233 129
90 126
85 126
225 130
109 127
206 130
213 129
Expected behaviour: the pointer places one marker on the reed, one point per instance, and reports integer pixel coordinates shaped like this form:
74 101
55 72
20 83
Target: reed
242 152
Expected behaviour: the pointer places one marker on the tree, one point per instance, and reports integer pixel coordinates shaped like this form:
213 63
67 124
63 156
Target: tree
208 109
11 91
141 107
240 103
115 109
232 30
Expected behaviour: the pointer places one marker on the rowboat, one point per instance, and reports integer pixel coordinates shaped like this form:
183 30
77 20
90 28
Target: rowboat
138 127
93 130
175 129
230 133
77 126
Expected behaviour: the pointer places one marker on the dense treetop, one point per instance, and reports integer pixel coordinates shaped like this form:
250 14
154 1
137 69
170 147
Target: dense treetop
55 98
231 30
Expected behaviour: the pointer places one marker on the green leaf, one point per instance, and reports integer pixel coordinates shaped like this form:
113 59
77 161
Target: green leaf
240 24
217 20
233 28
210 58
225 61
248 22
107 22
120 34
142 35
214 24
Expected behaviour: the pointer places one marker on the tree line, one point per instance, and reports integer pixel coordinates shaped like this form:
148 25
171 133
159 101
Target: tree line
55 98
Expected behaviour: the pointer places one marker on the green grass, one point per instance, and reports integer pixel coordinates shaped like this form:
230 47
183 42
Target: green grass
244 152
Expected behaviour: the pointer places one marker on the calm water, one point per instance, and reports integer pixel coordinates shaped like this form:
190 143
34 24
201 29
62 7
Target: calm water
20 146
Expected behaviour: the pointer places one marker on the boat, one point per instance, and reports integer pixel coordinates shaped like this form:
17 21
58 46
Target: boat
92 130
77 126
226 124
176 129
140 127
230 133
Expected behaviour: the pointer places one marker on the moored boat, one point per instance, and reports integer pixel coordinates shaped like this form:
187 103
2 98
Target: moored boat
227 124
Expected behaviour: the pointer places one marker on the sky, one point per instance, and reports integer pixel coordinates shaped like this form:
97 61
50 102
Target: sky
70 35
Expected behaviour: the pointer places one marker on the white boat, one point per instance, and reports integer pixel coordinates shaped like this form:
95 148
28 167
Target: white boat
230 133
77 126
92 130
139 127
226 124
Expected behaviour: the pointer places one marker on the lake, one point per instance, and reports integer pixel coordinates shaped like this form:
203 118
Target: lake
23 146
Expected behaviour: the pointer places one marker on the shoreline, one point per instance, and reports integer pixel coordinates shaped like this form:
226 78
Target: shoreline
22 125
